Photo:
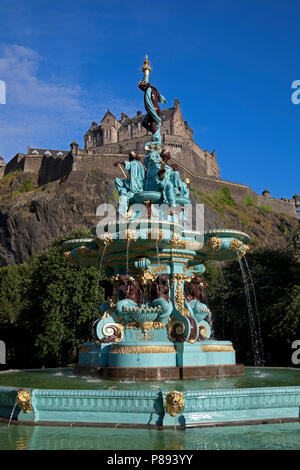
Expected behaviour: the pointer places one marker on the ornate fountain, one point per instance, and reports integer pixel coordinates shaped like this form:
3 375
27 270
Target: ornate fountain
154 323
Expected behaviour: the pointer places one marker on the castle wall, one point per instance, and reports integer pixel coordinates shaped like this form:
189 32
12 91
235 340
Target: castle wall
240 191
52 169
16 163
32 163
2 170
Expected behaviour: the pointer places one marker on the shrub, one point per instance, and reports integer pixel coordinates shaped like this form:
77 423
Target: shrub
249 200
226 197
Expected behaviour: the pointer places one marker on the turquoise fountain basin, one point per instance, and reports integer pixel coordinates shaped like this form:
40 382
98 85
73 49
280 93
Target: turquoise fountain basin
57 396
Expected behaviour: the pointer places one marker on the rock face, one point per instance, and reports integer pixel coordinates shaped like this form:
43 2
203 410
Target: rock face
31 216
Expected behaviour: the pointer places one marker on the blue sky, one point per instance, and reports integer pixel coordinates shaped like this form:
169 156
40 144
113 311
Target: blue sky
231 63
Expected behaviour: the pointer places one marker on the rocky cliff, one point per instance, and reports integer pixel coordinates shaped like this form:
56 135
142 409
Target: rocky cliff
32 215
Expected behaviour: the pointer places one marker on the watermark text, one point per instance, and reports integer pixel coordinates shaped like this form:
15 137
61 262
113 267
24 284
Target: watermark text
2 92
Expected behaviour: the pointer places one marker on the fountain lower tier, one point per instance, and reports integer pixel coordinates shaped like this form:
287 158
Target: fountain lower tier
158 360
154 323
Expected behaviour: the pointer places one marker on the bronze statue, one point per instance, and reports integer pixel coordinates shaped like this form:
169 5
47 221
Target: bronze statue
160 288
195 289
130 288
152 98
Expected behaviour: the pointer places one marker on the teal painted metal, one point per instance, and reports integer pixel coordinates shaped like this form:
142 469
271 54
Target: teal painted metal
185 354
146 407
207 406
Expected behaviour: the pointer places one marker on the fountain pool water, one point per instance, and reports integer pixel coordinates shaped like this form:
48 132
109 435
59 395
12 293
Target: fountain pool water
268 436
283 436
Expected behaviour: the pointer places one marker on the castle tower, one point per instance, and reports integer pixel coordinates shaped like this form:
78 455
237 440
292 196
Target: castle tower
109 128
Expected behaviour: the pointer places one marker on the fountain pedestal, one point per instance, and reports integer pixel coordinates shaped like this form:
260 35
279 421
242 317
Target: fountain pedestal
155 325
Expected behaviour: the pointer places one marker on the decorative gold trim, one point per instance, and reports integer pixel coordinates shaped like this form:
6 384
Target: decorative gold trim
157 325
106 238
83 251
158 269
68 255
119 349
174 402
244 250
217 348
149 253
146 65
179 330
214 243
144 335
24 400
155 234
175 241
235 245
179 296
129 235
144 276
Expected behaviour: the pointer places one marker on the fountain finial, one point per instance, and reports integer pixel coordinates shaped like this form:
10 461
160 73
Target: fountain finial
146 69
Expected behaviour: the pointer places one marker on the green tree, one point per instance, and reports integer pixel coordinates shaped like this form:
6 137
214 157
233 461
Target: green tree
62 301
275 275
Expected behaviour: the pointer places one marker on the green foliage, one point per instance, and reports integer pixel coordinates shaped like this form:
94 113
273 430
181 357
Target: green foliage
226 197
275 276
51 304
218 201
249 201
266 208
27 186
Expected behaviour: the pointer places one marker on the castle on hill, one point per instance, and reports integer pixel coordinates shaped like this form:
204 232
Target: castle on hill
115 138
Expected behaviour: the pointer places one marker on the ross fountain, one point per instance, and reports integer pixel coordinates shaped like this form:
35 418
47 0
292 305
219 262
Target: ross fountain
154 325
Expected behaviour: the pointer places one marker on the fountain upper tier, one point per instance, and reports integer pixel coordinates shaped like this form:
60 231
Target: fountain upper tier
155 239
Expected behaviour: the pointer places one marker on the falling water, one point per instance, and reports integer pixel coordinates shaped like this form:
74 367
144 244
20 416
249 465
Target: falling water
127 256
209 321
158 259
255 342
256 310
98 280
12 413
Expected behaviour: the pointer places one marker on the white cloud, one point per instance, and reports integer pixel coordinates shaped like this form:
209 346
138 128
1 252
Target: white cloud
43 113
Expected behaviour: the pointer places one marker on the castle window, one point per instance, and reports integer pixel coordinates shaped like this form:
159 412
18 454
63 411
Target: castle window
139 126
166 131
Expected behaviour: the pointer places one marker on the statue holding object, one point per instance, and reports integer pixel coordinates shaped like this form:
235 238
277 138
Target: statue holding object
152 98
128 187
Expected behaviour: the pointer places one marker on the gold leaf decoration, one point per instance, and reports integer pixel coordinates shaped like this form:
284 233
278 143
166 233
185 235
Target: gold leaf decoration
174 402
